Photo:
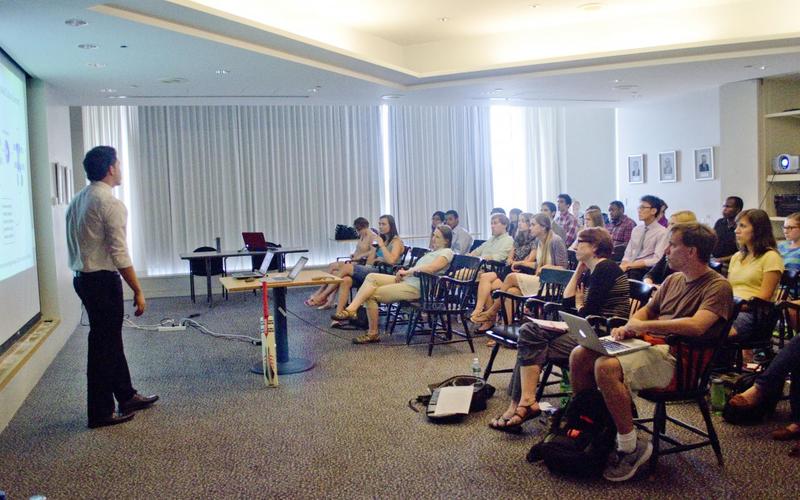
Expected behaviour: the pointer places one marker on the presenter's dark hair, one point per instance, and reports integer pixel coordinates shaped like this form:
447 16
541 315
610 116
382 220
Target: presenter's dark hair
453 213
392 234
699 236
98 160
653 201
763 239
360 223
498 210
447 234
439 214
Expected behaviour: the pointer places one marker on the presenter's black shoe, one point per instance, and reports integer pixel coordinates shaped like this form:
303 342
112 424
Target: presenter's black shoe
113 419
136 403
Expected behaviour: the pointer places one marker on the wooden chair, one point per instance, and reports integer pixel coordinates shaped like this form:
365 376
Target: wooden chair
765 317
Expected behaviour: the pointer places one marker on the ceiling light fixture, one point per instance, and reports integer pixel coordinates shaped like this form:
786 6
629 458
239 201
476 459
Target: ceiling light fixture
592 6
444 19
626 87
176 79
314 89
222 71
391 96
762 68
75 22
108 91
96 65
123 46
88 46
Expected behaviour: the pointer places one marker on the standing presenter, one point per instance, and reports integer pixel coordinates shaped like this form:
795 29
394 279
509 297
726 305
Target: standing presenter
98 255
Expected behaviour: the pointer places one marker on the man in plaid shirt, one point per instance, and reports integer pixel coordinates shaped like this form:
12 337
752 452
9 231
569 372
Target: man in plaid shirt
565 219
621 226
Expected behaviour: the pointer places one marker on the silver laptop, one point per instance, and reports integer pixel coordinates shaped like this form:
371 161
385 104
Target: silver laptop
292 274
262 271
584 334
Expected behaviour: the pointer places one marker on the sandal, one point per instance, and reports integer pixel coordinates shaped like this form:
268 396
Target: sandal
326 306
343 315
478 318
367 339
522 414
494 422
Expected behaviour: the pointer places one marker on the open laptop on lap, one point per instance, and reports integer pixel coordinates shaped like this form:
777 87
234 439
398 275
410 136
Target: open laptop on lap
292 274
240 275
585 335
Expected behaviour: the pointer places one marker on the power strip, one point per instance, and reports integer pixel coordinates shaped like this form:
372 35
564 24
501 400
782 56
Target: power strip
177 328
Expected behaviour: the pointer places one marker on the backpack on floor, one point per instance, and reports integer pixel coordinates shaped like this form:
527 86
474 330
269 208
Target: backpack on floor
580 437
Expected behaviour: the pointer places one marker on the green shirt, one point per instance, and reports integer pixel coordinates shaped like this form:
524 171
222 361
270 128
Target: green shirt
496 248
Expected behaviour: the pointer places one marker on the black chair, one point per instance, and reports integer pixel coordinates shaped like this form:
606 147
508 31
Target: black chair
197 267
790 285
693 363
386 268
640 296
789 316
394 311
765 317
716 266
441 299
618 253
475 244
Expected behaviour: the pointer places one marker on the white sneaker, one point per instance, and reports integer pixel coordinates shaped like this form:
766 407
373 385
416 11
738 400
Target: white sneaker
623 466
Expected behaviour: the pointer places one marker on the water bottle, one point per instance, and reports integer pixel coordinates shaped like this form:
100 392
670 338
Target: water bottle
218 243
476 371
717 396
565 387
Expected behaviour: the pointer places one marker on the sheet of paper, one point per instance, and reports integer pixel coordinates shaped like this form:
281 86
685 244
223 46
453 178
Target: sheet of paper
556 326
454 400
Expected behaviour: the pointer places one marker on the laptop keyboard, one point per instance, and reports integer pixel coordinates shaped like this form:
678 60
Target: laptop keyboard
612 345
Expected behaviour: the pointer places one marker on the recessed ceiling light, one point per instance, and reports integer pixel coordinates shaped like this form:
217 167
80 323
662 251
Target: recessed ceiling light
498 99
762 68
314 90
117 97
617 80
626 87
75 23
444 19
222 71
108 91
391 96
88 46
533 5
176 79
591 6
96 65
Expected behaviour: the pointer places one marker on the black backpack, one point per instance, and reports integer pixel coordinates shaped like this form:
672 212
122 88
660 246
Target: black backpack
580 437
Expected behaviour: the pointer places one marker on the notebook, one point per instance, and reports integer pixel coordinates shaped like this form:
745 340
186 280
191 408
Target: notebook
584 334
240 275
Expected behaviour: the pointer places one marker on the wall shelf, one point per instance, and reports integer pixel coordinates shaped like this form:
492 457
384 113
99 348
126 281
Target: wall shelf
777 219
784 114
784 178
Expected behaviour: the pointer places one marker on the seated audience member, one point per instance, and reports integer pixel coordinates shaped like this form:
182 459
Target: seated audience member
513 220
437 219
694 302
549 209
497 210
461 237
385 288
524 250
598 287
768 389
648 241
322 297
658 273
565 219
499 245
550 251
790 248
390 248
662 214
592 218
725 227
756 269
620 225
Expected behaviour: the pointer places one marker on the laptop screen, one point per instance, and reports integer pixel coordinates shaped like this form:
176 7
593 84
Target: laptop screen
254 241
298 267
265 265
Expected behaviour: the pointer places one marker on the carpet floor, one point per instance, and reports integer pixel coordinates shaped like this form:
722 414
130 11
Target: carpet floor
341 430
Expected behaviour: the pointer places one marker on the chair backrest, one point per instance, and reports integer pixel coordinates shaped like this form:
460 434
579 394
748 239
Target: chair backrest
716 266
476 244
765 317
416 254
197 267
788 322
436 291
495 266
464 267
790 285
693 356
552 283
402 259
572 259
640 294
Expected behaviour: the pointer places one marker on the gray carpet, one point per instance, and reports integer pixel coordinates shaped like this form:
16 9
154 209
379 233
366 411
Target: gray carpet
340 430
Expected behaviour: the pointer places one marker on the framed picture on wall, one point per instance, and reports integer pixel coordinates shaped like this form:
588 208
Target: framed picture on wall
635 169
704 164
667 166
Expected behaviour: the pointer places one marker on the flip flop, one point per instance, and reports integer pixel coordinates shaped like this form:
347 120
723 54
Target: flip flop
528 414
343 315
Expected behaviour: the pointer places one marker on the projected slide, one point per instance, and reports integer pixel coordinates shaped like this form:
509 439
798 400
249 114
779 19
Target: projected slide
16 224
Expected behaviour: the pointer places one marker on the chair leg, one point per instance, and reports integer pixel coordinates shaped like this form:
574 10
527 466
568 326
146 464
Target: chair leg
712 434
191 286
412 326
467 333
659 429
548 368
490 364
433 334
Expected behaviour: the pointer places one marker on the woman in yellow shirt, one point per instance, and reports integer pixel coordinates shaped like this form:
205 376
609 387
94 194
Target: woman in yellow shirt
755 270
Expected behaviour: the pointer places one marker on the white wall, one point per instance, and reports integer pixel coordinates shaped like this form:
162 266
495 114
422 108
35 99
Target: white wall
682 124
738 151
50 142
590 155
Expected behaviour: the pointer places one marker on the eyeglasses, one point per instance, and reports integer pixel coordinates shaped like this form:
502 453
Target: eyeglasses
644 207
789 228
584 241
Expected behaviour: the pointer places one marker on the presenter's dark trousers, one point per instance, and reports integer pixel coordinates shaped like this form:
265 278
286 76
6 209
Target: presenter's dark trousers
107 370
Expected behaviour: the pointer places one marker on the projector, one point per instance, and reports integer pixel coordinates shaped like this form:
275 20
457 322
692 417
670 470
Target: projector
786 164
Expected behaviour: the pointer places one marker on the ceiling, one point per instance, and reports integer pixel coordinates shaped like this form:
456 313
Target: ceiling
605 53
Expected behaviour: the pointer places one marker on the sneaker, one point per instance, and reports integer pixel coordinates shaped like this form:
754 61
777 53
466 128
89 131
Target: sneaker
623 466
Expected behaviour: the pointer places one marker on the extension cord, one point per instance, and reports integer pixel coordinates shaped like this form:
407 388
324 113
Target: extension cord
176 328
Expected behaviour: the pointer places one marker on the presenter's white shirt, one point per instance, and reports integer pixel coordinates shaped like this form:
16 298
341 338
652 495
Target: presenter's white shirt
96 225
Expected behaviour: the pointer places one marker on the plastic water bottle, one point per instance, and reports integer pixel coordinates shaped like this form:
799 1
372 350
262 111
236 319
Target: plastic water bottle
565 387
717 396
476 368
